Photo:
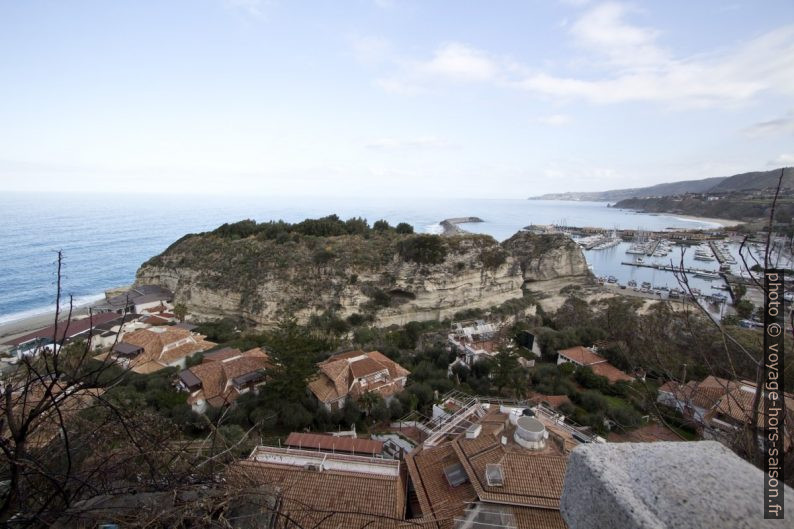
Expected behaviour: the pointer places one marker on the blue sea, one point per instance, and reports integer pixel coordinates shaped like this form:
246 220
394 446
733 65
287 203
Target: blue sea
105 237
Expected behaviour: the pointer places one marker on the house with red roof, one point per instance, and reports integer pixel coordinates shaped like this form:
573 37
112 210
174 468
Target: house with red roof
223 376
351 374
586 357
722 409
50 338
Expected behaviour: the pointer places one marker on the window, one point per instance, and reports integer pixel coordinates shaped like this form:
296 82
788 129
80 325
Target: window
455 475
494 475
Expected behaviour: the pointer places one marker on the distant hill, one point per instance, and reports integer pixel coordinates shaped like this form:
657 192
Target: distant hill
755 180
719 184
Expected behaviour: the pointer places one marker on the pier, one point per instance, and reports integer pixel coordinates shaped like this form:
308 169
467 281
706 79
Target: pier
673 234
670 268
667 268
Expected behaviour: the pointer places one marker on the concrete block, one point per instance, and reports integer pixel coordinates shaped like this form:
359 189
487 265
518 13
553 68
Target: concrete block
664 485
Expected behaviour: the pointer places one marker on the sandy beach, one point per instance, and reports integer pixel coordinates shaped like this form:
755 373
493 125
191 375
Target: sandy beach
725 223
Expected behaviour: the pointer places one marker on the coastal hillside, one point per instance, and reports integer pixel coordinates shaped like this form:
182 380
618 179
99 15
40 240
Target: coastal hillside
737 205
756 180
259 273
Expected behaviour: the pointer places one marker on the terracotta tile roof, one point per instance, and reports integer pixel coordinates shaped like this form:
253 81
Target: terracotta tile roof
324 389
217 374
338 375
155 342
74 327
395 369
723 399
366 367
343 356
612 373
532 483
220 354
437 498
704 394
582 355
738 404
329 498
332 443
155 320
184 350
531 480
555 401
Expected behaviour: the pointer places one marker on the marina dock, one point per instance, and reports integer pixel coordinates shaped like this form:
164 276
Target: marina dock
673 234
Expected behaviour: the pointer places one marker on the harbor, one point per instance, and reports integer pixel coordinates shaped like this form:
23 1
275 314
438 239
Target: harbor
675 265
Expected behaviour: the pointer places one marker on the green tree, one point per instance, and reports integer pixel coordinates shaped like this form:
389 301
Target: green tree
356 226
506 371
739 290
180 311
380 412
292 351
351 413
381 226
294 416
395 409
744 309
369 400
424 249
404 228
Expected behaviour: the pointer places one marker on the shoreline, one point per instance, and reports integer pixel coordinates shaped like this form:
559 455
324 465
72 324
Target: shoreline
725 223
14 328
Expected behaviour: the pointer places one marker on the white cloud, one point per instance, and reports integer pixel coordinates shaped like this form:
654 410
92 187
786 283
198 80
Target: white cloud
786 160
781 126
603 29
451 62
555 120
636 68
422 142
626 62
458 61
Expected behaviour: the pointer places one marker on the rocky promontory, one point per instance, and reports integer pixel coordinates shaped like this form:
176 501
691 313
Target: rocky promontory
260 273
451 227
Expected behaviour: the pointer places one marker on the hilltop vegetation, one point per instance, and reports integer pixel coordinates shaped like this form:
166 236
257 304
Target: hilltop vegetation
756 180
258 273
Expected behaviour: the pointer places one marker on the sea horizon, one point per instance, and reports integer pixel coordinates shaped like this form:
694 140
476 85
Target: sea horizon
105 237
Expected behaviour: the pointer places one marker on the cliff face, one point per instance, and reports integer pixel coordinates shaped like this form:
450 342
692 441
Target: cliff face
546 257
394 278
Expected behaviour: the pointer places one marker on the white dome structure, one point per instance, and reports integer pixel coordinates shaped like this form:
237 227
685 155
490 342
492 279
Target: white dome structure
530 433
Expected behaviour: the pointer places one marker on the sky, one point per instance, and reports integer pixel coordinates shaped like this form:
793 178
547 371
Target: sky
455 98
